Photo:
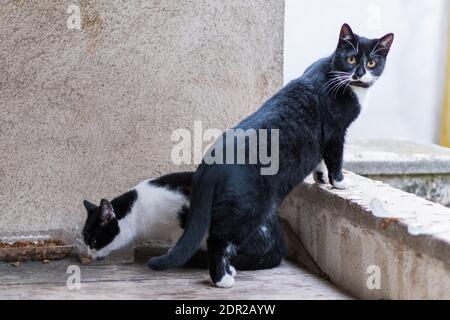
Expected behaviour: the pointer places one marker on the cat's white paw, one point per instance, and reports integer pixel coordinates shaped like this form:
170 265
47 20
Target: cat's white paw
226 282
342 185
233 271
320 174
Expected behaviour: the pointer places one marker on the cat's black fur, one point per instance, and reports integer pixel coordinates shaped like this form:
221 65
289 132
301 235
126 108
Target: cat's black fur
179 181
262 250
233 201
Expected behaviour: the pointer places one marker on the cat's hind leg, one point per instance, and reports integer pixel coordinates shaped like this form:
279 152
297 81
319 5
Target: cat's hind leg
264 249
320 174
257 262
221 272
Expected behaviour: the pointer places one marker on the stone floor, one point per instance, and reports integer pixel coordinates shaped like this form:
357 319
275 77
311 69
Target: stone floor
36 280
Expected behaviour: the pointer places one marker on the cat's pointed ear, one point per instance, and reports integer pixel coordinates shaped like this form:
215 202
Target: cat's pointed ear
106 212
89 206
346 33
384 43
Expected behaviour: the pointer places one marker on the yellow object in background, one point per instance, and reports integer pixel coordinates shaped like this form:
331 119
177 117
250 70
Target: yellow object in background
445 129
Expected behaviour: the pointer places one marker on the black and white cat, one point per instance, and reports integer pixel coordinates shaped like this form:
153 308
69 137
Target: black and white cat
157 210
153 210
230 202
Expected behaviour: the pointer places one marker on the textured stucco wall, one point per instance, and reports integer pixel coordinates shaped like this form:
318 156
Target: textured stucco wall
88 113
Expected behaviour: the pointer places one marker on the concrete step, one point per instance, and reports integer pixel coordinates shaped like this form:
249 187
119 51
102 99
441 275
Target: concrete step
372 240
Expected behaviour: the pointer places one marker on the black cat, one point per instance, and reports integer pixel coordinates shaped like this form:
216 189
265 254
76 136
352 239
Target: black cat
312 114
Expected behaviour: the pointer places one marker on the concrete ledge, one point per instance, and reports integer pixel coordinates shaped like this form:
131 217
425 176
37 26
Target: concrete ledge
396 156
416 167
433 187
373 227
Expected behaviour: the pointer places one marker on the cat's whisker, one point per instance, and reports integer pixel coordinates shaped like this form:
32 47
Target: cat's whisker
334 70
335 90
342 86
338 87
340 75
337 78
337 72
335 82
376 46
351 45
374 52
333 87
347 86
331 83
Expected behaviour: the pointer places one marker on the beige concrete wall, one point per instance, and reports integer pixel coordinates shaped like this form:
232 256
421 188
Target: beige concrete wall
88 113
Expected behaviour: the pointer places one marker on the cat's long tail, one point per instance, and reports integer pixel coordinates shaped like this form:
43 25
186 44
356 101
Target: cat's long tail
197 224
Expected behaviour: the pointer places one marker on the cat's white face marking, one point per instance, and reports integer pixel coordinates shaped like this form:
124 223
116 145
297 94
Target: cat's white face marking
367 77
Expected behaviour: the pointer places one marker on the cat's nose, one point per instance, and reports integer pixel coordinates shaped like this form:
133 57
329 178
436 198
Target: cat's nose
360 72
355 77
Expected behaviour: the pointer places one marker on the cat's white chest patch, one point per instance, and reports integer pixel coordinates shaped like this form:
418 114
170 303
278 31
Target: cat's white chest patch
361 94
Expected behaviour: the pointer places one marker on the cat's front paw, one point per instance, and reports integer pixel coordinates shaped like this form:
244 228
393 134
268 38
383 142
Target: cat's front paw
320 177
342 185
320 174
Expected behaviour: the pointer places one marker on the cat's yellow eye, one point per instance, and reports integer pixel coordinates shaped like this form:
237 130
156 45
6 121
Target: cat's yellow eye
351 59
371 64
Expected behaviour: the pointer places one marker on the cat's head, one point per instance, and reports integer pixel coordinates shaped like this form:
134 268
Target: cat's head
359 61
101 232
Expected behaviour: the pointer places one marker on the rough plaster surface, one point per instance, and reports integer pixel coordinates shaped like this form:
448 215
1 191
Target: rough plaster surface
409 242
89 113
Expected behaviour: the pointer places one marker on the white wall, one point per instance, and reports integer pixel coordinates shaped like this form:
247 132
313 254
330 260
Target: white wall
407 100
